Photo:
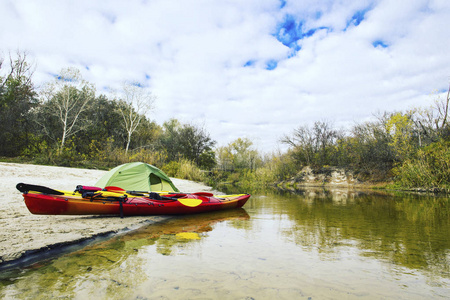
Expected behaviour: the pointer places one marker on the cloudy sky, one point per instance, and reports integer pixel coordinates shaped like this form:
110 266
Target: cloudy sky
245 68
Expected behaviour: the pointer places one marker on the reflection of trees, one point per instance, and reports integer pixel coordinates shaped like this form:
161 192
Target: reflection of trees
109 269
407 230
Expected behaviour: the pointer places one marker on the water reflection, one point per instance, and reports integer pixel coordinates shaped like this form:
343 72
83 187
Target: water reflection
112 267
406 229
314 243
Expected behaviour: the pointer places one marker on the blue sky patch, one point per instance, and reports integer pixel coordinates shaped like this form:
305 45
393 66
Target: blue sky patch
250 63
380 43
318 15
271 64
59 77
292 53
313 30
291 30
358 17
137 84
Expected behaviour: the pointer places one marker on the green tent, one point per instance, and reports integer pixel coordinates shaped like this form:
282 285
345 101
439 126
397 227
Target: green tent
137 176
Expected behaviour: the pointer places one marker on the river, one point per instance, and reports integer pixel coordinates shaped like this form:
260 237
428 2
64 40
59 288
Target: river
315 244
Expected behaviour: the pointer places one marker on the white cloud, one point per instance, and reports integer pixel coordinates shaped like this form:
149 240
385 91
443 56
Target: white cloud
192 56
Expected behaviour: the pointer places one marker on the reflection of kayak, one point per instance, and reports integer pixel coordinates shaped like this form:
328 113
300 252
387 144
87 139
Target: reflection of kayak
170 232
115 201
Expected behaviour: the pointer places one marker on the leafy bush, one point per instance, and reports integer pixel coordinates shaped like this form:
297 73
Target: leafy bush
171 168
184 169
189 170
430 168
257 180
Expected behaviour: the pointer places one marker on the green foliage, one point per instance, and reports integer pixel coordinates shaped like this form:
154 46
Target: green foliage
17 98
238 155
184 169
148 156
216 178
186 141
241 167
171 168
399 127
104 124
430 168
313 146
367 151
189 170
207 159
257 180
36 146
284 167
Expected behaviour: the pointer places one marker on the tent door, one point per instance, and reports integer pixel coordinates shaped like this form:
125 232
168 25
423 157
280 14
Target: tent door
155 183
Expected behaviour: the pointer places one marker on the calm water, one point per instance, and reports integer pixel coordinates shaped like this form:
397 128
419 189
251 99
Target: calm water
317 245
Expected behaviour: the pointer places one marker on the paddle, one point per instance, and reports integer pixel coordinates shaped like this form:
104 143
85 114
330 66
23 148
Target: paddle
185 201
25 188
121 190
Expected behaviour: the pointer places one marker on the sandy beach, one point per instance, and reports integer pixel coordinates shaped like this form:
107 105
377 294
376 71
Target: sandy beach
24 233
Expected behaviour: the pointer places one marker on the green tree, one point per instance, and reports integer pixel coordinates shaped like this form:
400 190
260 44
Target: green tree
224 159
367 151
399 128
429 168
147 135
104 131
238 155
196 145
169 139
187 141
17 98
105 120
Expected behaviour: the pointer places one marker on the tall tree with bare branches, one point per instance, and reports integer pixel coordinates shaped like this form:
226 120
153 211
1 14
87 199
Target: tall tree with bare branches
432 123
66 99
136 102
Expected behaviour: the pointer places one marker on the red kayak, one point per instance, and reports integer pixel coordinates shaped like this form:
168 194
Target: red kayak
116 201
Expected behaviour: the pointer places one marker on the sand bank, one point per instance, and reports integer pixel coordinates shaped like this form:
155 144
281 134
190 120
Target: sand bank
24 233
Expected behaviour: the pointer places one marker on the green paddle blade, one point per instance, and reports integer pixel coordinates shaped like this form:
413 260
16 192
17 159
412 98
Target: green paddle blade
190 202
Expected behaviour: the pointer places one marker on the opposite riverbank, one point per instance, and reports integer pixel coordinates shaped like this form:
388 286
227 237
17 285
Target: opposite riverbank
334 177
